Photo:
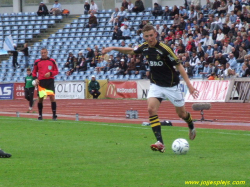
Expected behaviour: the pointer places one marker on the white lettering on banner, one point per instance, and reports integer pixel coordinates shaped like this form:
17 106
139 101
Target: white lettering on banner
69 90
20 94
142 88
19 87
124 90
5 91
210 91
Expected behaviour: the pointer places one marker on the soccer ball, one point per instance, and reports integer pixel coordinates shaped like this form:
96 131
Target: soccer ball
180 146
34 83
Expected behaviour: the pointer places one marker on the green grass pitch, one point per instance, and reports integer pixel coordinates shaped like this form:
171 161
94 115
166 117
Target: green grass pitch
76 153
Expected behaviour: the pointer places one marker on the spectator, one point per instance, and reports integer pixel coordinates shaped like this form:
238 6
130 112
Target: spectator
14 56
139 7
101 65
233 17
222 59
232 61
140 67
226 49
210 50
225 29
183 12
167 13
117 33
201 18
192 15
94 87
158 29
56 9
108 66
121 15
86 7
42 10
131 67
230 7
188 69
83 66
25 51
92 21
70 61
194 59
93 7
126 34
220 37
174 11
157 10
130 6
90 55
74 66
125 22
177 21
228 71
241 56
217 24
246 71
206 70
122 67
125 4
223 8
114 15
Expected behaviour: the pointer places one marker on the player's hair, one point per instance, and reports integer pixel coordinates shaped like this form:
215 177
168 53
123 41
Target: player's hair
28 69
148 28
43 49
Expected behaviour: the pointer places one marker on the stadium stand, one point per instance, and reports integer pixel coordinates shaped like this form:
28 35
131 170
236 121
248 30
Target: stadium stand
74 37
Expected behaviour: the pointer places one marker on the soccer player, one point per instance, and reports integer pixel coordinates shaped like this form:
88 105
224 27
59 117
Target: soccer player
46 69
29 88
164 82
4 155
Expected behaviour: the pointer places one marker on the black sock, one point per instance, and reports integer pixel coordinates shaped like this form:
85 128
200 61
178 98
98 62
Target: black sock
40 108
156 127
53 107
189 121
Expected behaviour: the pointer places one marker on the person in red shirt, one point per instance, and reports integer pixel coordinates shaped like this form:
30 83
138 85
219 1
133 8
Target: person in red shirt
46 69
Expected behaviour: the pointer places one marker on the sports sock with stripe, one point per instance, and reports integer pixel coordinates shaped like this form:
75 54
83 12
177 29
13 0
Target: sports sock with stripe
156 127
40 108
189 121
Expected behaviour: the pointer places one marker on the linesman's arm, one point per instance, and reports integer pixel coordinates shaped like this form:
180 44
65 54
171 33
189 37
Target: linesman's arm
124 50
192 90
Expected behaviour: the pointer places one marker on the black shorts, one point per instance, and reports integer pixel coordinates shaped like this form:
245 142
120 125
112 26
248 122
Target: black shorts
48 84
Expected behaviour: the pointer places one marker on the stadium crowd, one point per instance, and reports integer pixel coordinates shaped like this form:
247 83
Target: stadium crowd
214 39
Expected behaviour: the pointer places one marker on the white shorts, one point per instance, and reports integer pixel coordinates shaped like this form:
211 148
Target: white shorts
172 93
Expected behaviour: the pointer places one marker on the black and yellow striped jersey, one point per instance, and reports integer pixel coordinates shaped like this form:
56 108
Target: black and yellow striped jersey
161 61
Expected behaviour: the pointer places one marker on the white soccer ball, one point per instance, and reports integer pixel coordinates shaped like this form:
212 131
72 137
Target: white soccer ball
180 146
34 82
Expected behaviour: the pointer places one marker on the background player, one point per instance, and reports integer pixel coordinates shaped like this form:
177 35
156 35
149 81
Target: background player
164 81
29 88
46 69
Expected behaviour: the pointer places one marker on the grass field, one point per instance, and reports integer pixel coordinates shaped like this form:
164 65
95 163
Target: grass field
69 153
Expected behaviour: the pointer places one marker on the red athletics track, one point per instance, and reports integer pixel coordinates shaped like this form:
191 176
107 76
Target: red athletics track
225 115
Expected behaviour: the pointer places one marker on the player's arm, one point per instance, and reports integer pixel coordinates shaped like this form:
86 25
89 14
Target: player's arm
54 71
192 90
124 50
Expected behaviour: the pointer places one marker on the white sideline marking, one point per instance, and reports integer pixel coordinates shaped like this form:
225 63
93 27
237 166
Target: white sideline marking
124 126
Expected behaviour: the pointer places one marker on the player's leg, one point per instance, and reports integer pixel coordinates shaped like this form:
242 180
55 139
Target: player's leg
26 94
176 97
182 113
4 155
40 108
31 96
53 106
153 106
